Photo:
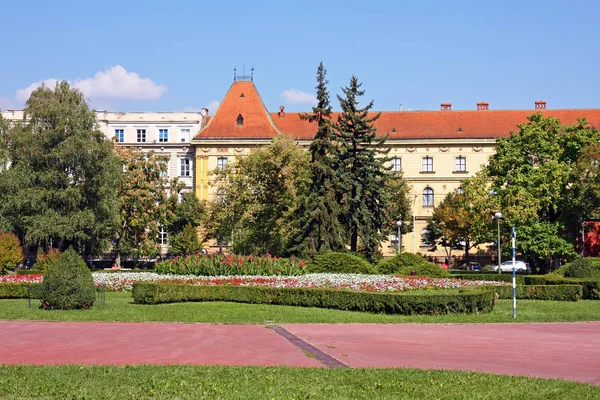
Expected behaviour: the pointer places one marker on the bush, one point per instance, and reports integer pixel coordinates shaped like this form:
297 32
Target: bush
45 259
228 264
591 287
29 272
11 253
494 277
541 292
407 263
580 268
15 290
389 303
68 283
342 263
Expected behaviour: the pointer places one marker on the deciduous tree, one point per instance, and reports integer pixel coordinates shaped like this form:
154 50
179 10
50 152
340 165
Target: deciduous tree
11 253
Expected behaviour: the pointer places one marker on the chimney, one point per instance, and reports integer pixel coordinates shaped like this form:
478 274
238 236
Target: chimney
540 104
205 112
446 106
281 111
482 105
204 117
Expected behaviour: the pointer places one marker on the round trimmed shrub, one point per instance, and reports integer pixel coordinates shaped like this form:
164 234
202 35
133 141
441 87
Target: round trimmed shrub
68 283
410 264
579 269
342 263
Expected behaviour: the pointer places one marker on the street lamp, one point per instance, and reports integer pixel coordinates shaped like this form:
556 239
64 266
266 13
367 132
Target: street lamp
399 225
498 216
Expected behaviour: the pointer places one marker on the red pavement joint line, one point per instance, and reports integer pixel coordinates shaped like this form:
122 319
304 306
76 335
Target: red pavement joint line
323 358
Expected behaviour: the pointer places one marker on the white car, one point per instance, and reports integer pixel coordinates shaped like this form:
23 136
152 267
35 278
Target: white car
507 266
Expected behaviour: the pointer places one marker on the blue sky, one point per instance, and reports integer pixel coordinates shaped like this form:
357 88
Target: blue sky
179 55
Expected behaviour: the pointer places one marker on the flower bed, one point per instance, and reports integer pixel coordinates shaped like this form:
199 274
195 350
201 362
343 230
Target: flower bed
365 283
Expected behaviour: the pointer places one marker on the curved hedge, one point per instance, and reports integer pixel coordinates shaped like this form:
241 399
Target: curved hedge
591 287
541 292
342 263
389 303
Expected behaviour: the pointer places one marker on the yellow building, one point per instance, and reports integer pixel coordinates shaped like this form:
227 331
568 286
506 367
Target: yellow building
436 150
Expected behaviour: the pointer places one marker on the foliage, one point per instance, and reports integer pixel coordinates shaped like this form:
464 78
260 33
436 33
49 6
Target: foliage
190 211
363 175
480 301
410 264
541 292
68 283
15 290
11 253
257 197
316 217
591 287
145 204
186 243
227 264
580 269
495 277
462 220
333 262
60 189
535 174
46 258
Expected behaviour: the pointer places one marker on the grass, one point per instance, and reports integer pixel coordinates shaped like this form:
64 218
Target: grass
193 382
120 308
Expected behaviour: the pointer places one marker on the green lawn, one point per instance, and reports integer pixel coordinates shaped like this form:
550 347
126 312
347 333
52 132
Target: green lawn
189 382
119 307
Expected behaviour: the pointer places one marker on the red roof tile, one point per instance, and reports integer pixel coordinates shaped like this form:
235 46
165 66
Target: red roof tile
259 124
243 100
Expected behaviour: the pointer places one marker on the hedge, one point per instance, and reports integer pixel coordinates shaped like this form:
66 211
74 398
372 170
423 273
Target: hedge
591 287
541 292
489 277
29 271
389 303
17 290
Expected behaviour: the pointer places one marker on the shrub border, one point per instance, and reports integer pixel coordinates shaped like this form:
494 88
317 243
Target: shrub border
390 303
541 292
591 286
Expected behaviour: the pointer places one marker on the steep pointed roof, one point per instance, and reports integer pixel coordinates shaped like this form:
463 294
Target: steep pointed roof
241 115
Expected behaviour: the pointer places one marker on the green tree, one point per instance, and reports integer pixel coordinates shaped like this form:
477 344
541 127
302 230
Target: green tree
60 187
318 228
533 172
256 197
145 202
11 253
362 172
190 211
462 220
186 243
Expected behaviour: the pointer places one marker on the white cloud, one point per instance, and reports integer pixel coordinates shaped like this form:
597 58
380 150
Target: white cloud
114 82
212 107
297 96
23 94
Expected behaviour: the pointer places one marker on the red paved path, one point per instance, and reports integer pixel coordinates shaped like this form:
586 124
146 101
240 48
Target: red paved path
553 350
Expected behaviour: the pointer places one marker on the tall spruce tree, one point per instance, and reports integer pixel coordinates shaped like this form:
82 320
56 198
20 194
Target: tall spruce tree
362 172
317 214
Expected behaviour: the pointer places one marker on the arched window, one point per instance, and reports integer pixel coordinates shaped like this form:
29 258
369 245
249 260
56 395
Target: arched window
240 119
428 197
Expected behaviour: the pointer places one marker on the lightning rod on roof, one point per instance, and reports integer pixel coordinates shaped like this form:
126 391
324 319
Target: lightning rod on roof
243 76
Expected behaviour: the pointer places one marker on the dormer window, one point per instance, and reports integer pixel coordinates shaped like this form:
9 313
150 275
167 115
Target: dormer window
240 120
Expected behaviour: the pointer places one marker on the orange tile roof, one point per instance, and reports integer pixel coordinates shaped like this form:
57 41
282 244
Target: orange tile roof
442 124
241 99
259 124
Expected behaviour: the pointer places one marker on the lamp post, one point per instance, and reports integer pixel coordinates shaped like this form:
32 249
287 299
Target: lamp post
498 216
399 225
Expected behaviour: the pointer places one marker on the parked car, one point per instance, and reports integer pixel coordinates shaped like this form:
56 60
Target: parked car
507 266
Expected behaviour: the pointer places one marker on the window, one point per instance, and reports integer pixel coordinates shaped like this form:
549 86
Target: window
240 120
163 235
394 239
396 164
185 167
221 163
184 135
428 197
427 164
460 164
141 135
120 135
163 135
165 173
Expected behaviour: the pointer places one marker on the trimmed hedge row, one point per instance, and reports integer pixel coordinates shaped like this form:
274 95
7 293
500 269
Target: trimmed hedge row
17 290
541 292
29 271
591 287
389 303
489 277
